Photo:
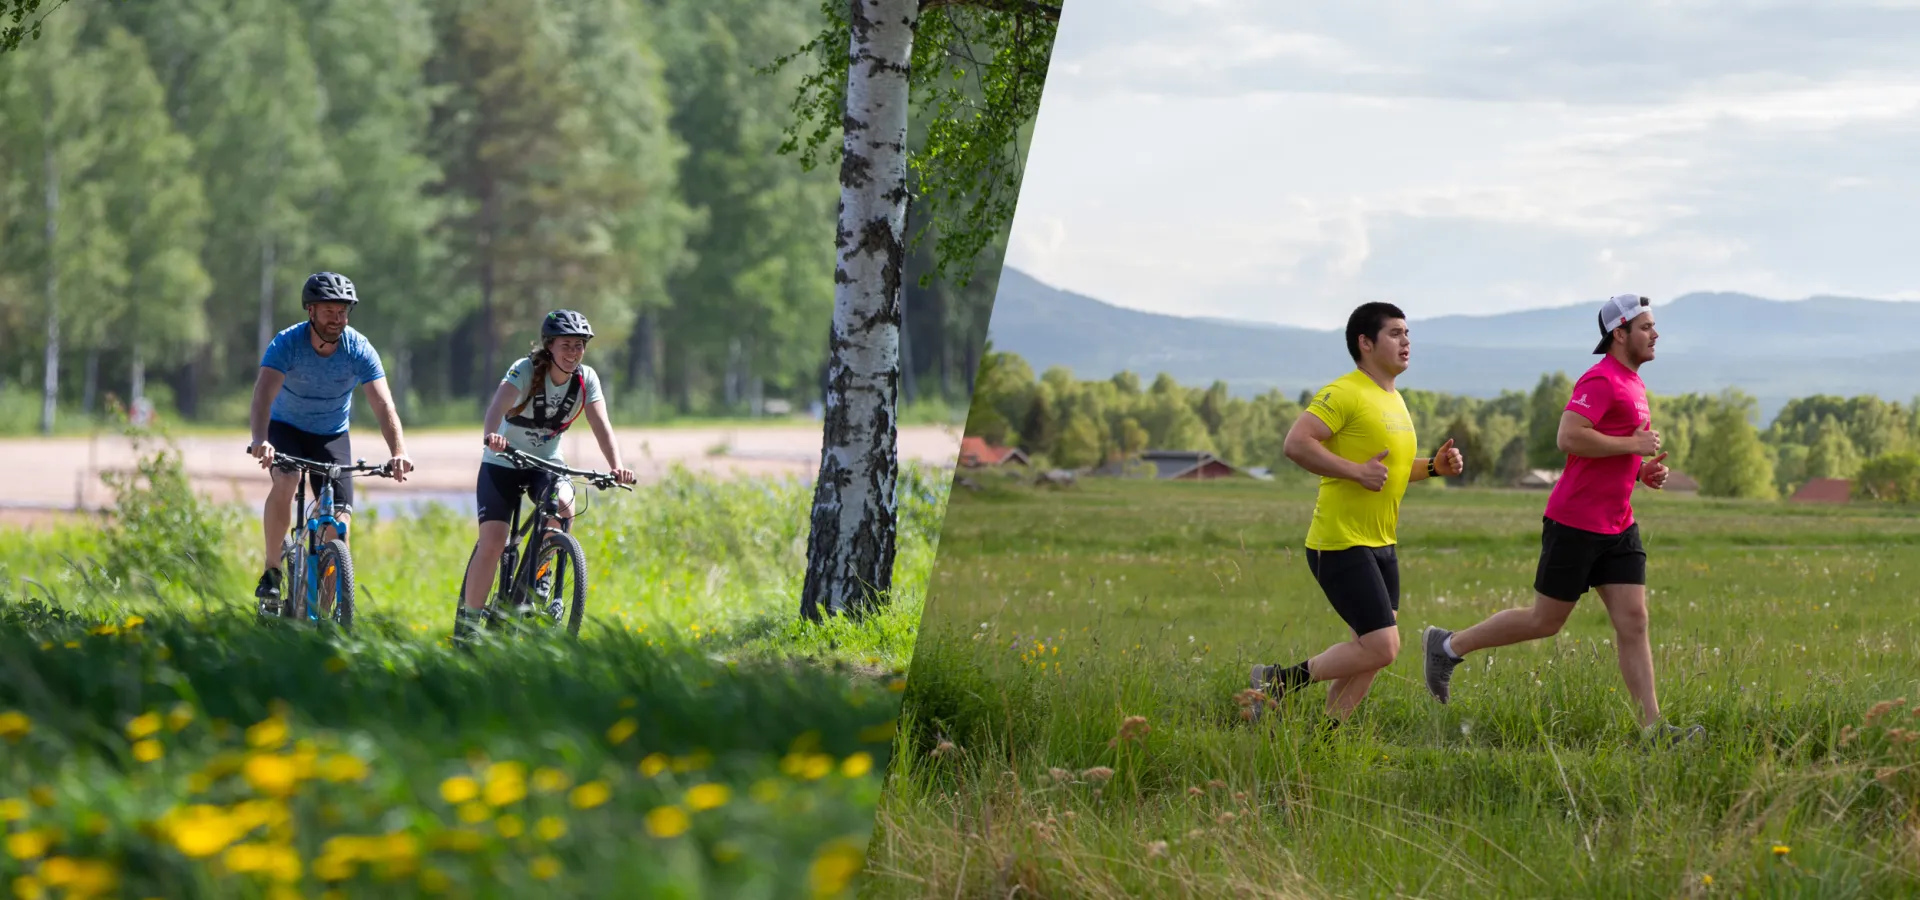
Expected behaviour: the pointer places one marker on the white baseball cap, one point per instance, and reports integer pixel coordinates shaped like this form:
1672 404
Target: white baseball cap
1617 312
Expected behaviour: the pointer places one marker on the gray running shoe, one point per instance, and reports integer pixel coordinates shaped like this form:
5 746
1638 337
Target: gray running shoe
1670 736
1440 663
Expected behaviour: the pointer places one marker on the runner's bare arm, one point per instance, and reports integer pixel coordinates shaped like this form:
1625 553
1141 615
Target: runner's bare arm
1304 445
1578 437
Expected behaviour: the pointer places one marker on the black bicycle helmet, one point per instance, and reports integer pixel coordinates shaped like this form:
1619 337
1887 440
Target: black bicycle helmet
328 287
565 323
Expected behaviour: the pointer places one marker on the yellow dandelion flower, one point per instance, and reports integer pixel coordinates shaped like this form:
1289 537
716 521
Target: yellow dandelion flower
459 789
590 795
180 716
693 762
267 734
13 809
283 892
474 812
1706 879
510 826
549 780
72 645
143 726
857 765
667 822
550 828
653 765
269 774
897 685
544 868
506 783
332 868
200 830
15 725
834 867
27 887
622 730
147 751
816 767
1781 849
25 845
703 797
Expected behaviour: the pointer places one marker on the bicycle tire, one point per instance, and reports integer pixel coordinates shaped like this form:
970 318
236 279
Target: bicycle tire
337 560
568 552
293 579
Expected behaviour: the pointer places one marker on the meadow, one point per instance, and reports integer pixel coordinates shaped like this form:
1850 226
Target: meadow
696 740
1071 727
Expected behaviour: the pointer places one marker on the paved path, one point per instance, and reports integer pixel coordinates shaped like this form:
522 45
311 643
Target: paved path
42 479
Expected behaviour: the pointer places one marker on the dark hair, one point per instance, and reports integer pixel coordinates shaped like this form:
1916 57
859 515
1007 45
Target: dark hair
542 361
1368 319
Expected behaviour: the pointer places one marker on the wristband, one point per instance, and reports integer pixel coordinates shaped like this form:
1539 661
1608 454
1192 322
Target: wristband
1431 471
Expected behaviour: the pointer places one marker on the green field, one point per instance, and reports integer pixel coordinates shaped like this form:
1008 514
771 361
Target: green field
1055 615
155 740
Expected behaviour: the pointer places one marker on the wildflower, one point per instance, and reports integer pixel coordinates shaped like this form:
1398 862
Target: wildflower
622 730
1878 710
474 812
1097 773
667 822
548 780
14 725
200 830
550 828
27 845
1058 774
857 765
1781 849
267 733
708 796
143 726
147 751
180 716
343 767
509 826
590 795
13 809
816 767
834 867
766 791
432 880
270 774
459 789
1156 849
653 765
545 868
1706 880
1135 728
506 783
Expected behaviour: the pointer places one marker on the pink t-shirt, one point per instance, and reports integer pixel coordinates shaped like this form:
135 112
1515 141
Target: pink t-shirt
1597 494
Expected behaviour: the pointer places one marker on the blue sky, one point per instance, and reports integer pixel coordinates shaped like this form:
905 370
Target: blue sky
1269 161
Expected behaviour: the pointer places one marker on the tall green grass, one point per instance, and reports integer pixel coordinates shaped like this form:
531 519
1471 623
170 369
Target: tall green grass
696 740
1056 616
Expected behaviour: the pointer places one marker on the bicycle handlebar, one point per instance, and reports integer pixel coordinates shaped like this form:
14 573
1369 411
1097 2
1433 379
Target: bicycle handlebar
288 462
601 480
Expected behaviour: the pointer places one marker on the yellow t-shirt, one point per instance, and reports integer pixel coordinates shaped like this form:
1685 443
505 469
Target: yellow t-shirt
1365 420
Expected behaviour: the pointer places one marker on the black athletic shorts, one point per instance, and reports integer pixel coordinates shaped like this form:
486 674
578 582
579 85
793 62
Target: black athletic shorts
500 488
334 448
1362 583
1573 560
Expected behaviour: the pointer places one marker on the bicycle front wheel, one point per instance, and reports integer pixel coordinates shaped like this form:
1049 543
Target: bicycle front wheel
336 583
563 565
293 579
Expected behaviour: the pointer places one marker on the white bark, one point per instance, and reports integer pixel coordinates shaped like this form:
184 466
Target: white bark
851 547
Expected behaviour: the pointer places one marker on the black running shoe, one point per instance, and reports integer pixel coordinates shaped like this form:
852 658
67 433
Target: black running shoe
268 592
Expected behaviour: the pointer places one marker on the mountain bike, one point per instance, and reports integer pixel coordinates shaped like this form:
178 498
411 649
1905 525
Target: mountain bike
319 573
532 579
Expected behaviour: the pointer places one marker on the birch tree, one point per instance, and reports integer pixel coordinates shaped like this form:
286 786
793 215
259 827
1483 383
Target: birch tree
978 68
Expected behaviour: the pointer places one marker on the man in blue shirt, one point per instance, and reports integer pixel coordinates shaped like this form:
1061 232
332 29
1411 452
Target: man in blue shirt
301 403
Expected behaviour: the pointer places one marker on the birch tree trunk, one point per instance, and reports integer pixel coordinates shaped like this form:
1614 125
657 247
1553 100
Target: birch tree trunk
850 549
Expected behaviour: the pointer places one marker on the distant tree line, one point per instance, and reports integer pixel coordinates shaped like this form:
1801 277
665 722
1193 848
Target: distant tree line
170 172
1064 421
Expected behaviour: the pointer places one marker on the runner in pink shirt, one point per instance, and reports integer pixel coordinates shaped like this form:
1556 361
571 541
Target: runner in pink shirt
1588 537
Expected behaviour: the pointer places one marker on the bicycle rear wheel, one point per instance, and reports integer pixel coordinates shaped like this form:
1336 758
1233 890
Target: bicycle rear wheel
561 557
336 583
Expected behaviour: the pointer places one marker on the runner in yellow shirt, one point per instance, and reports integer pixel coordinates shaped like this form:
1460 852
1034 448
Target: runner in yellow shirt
1358 437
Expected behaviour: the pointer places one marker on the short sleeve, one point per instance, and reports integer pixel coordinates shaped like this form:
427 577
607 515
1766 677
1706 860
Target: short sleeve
1331 406
367 362
278 355
592 388
1592 396
517 375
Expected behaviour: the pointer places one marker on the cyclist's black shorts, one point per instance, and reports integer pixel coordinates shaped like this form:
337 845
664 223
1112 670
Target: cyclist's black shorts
334 448
1362 583
500 488
1574 559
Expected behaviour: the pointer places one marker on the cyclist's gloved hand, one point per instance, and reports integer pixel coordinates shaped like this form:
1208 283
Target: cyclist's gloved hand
496 442
399 466
262 451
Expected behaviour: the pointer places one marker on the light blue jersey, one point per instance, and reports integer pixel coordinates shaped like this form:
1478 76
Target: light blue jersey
317 396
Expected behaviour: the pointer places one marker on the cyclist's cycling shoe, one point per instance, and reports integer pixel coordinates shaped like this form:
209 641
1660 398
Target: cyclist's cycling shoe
268 592
467 624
